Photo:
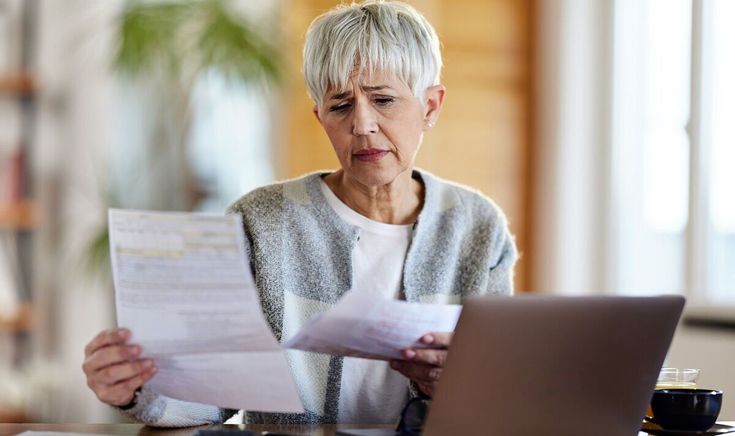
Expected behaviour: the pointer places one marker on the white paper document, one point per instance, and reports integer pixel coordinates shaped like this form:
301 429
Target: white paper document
362 325
184 288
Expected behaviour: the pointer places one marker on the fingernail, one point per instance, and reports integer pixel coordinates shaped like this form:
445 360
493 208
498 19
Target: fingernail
135 350
123 333
427 339
410 354
147 364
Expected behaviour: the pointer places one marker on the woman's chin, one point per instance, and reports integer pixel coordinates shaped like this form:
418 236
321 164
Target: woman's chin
375 176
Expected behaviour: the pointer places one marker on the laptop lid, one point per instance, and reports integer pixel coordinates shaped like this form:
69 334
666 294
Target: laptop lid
541 365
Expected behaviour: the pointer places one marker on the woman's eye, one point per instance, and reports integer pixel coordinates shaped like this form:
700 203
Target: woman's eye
384 101
342 107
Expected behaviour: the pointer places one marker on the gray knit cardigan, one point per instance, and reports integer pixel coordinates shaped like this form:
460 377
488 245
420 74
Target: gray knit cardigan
300 252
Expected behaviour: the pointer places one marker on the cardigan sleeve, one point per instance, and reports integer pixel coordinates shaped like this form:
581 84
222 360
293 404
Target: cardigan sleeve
158 410
500 279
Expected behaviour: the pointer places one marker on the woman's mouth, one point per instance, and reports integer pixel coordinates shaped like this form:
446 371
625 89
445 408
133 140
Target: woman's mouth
370 154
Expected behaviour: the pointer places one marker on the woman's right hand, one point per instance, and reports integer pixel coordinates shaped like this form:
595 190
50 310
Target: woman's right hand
114 368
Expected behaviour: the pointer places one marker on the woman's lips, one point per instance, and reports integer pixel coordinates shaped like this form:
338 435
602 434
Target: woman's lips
370 154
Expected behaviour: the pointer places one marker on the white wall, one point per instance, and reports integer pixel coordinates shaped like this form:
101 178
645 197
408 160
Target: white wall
572 130
76 123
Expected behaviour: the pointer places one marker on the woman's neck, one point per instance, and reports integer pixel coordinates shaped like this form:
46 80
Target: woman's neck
398 202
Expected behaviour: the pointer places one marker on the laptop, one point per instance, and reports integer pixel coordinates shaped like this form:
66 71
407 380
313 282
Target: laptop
566 366
542 365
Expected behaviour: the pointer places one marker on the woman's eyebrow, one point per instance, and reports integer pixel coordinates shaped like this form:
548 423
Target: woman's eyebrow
374 88
340 95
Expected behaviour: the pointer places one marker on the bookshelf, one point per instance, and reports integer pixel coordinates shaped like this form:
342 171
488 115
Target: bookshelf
18 216
12 415
18 210
20 321
18 85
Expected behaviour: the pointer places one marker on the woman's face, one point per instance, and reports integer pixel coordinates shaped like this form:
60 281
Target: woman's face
376 126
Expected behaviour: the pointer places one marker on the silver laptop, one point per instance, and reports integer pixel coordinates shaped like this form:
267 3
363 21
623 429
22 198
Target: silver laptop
566 366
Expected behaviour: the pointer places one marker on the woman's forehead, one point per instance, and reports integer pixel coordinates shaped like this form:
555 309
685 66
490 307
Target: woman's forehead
368 81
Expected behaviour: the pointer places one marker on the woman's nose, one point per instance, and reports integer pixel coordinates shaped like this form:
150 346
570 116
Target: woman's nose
365 121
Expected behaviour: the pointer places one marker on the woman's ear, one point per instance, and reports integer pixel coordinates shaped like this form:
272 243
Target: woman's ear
315 109
434 98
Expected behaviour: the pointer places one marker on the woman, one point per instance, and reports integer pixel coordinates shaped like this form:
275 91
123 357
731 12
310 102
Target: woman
375 225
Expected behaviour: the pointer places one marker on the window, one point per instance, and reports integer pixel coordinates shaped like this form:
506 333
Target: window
226 149
673 149
718 139
231 146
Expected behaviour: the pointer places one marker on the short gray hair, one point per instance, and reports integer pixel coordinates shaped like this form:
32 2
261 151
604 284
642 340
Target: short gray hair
372 36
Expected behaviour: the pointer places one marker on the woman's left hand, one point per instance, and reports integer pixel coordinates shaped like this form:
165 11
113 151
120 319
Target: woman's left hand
425 365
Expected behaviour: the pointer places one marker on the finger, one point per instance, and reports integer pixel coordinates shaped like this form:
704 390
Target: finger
422 373
427 388
418 372
116 373
110 355
437 339
426 355
122 392
105 338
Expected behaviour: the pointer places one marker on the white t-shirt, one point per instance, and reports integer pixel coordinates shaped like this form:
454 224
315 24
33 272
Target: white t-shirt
371 392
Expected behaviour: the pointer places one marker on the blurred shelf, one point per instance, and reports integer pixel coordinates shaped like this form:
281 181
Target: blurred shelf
18 216
18 85
18 322
12 415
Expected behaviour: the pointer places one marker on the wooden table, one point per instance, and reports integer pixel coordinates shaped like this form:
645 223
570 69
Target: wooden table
138 429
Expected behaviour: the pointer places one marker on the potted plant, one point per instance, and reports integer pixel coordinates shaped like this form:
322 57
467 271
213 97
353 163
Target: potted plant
169 47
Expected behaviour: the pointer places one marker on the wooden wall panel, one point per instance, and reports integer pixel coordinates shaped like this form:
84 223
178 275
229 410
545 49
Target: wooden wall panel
304 145
482 137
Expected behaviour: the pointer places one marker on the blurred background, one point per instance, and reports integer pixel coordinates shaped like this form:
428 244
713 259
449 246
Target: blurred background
603 128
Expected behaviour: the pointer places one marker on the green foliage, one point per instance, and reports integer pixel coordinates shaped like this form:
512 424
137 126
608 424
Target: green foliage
98 252
146 37
183 39
178 41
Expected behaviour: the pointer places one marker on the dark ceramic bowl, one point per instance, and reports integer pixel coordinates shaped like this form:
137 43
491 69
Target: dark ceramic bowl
686 409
